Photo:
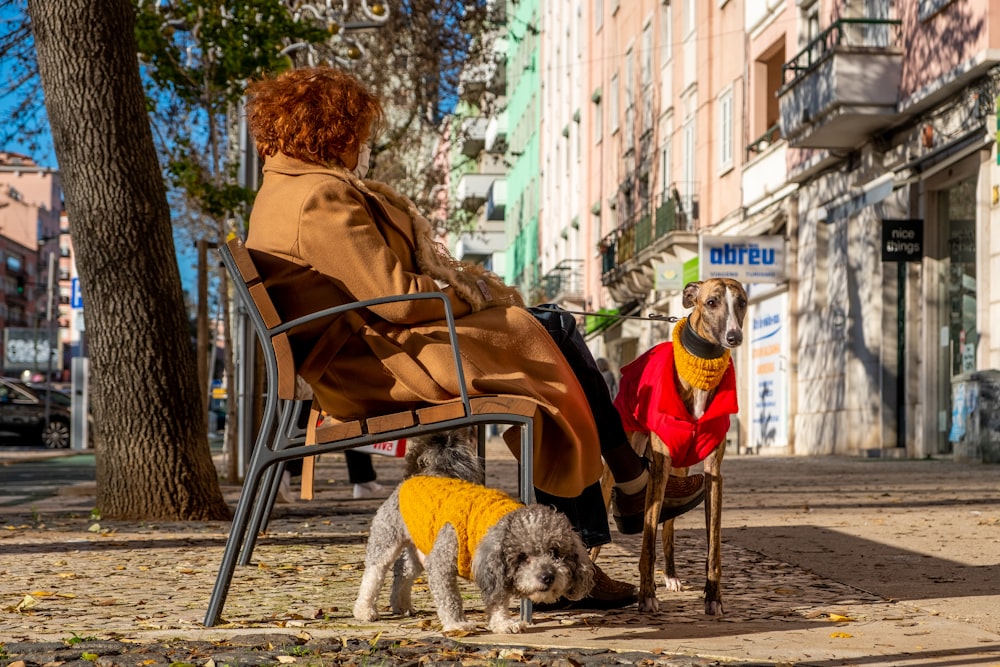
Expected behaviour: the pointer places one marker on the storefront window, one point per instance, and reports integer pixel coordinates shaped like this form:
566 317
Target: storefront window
958 211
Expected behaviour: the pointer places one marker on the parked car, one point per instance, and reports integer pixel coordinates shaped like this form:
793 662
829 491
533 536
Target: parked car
22 415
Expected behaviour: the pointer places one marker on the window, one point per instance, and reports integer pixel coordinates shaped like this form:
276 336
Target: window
687 184
689 17
665 172
929 8
646 62
666 35
726 129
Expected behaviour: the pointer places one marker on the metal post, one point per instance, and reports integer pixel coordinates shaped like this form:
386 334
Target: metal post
51 342
202 330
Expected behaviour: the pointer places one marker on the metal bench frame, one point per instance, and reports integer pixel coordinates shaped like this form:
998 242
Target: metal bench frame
279 439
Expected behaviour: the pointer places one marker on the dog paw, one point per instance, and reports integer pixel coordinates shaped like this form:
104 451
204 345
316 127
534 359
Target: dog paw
365 613
672 583
458 627
648 603
713 607
404 612
508 627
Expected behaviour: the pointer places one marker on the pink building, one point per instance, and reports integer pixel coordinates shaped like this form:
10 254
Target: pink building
33 227
856 137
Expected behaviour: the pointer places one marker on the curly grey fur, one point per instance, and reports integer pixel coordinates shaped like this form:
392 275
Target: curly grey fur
533 552
446 454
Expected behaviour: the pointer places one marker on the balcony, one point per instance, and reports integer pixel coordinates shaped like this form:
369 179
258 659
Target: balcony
765 171
473 190
496 200
629 253
563 285
488 74
843 86
496 133
480 245
472 136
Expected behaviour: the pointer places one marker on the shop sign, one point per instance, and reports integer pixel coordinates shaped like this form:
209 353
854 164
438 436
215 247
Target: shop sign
749 259
902 240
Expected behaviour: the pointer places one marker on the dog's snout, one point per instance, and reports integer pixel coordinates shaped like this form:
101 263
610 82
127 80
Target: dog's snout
734 338
547 578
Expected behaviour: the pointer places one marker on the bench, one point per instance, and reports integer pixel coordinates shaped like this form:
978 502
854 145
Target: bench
280 439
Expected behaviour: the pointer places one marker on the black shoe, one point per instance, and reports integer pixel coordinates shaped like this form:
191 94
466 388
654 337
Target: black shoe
682 494
607 593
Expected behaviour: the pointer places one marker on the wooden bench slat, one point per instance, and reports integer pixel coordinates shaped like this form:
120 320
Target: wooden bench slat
439 413
398 420
337 431
264 304
244 262
506 404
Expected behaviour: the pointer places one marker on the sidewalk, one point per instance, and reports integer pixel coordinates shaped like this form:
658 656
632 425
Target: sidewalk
826 561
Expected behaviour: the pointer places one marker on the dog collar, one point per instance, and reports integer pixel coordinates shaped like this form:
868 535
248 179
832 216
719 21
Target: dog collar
699 371
698 346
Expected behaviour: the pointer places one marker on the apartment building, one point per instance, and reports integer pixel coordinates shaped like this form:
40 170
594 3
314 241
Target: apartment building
37 268
889 112
856 137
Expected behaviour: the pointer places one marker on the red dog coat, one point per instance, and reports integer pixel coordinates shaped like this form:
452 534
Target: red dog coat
648 401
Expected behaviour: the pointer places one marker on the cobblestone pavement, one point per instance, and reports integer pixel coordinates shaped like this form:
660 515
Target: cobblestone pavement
826 562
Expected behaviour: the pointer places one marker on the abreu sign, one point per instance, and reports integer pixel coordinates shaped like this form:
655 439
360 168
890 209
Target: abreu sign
749 259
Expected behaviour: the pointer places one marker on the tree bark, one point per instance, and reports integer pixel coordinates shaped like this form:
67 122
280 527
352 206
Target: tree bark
153 458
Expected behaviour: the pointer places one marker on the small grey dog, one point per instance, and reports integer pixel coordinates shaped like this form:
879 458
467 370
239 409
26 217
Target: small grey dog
441 518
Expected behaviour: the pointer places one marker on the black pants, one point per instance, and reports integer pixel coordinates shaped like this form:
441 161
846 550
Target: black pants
586 512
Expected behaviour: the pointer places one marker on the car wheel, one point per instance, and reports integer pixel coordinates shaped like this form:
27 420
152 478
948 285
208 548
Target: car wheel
55 435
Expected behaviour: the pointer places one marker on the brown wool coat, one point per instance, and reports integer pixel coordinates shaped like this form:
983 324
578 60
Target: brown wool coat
321 237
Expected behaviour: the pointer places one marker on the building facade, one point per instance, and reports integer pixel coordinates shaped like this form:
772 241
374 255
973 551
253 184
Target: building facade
36 312
855 136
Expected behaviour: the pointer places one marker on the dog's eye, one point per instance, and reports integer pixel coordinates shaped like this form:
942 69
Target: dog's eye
555 554
522 557
711 303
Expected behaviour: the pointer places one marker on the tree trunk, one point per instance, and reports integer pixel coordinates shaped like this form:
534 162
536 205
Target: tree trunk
153 458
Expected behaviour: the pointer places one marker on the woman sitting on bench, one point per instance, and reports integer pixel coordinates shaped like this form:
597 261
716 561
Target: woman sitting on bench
322 236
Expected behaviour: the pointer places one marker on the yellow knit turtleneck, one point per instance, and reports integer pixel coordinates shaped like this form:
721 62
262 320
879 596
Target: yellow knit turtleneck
704 374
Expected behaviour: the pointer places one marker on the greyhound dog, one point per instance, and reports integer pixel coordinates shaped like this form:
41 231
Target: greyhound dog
675 401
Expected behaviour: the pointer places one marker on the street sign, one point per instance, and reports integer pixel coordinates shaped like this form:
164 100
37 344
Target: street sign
75 298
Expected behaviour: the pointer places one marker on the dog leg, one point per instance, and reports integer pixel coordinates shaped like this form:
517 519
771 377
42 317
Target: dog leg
385 543
405 570
713 518
499 618
607 483
442 578
659 465
670 578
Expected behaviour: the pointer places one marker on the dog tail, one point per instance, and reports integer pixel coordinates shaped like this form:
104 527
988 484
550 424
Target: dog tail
447 454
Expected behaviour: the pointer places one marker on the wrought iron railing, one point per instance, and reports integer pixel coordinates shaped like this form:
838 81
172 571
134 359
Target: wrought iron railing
764 141
564 281
672 212
861 32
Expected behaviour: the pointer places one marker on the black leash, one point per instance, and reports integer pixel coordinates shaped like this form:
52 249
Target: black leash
651 317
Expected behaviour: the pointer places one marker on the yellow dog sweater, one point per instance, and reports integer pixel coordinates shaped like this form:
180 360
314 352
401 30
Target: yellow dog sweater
428 503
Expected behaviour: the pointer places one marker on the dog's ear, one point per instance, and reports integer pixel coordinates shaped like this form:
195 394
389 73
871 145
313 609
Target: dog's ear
582 568
691 293
492 567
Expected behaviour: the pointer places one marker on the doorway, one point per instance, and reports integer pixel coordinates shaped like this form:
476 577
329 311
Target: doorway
957 293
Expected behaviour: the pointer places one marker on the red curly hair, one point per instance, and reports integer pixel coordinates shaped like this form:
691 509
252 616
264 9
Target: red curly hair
314 114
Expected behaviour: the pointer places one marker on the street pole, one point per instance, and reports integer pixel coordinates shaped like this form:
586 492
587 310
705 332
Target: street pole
202 326
50 289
